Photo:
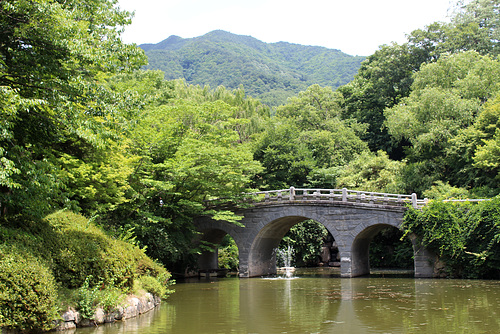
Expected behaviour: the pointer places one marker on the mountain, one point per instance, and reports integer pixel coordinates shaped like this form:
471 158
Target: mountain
269 71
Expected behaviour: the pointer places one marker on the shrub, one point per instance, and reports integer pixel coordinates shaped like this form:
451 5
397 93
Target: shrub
228 254
87 299
154 286
109 298
84 251
68 250
27 292
465 236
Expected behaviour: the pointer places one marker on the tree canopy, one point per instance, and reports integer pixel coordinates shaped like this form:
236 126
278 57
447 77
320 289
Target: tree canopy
84 128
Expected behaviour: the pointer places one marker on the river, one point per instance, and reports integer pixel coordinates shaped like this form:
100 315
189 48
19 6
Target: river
322 302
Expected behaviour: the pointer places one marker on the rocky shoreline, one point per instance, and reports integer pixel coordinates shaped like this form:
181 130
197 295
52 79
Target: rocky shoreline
132 307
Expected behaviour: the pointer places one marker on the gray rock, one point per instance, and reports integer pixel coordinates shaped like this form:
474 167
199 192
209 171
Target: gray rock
99 316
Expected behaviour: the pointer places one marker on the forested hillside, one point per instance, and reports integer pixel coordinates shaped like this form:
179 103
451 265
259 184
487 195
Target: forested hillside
271 72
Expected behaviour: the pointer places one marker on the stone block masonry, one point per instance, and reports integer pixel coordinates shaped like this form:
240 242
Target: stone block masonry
352 225
133 307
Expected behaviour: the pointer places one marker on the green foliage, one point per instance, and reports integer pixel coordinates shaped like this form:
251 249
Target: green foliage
28 294
382 81
446 97
465 236
154 286
53 58
81 250
87 299
389 250
286 159
305 140
68 251
228 254
443 191
372 172
306 239
487 153
440 120
473 26
189 147
386 77
79 253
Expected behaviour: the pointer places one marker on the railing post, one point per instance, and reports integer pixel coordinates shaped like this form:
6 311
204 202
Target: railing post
315 195
331 196
414 200
344 194
292 193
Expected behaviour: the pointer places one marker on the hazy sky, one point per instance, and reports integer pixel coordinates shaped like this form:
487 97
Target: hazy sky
356 27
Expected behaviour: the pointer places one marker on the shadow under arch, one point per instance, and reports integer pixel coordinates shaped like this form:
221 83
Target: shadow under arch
208 259
360 248
262 253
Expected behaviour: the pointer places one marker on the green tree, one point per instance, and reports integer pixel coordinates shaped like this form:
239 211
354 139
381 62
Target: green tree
53 58
306 239
305 140
372 172
471 154
465 236
447 96
313 108
386 77
286 160
185 155
382 81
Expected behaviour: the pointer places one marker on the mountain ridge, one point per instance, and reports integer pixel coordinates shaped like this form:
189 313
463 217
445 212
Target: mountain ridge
271 72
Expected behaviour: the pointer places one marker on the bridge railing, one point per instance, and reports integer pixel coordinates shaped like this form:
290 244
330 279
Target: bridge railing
336 195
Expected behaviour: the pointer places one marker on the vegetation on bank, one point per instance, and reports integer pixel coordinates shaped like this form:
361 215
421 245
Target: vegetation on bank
465 236
63 261
83 129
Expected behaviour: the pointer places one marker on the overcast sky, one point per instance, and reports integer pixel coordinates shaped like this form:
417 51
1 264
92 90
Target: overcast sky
356 27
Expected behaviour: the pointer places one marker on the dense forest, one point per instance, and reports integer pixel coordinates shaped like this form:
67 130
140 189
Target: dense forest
85 130
269 72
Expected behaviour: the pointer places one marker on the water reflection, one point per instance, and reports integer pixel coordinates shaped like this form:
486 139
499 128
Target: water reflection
323 304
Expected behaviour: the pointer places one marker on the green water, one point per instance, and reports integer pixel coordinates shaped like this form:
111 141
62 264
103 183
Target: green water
322 304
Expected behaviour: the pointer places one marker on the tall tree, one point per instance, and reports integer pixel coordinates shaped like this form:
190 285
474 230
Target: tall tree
53 57
386 76
437 117
382 81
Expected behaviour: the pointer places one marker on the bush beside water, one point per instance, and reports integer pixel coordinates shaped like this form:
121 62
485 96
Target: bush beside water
465 236
65 260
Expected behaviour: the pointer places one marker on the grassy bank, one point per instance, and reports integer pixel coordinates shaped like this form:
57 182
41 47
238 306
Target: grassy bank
66 261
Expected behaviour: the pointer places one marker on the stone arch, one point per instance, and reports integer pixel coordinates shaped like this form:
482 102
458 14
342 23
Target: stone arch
352 225
261 256
360 249
213 232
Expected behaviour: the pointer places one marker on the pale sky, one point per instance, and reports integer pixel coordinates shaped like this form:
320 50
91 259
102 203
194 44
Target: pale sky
356 27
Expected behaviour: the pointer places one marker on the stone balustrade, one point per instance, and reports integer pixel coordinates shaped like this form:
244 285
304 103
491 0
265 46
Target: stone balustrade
336 195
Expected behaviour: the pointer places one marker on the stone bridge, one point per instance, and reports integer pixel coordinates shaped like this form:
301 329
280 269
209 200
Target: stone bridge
352 217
